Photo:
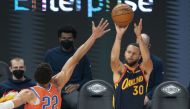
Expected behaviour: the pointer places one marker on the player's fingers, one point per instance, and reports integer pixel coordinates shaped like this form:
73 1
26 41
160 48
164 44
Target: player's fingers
135 25
93 25
101 21
106 31
140 22
105 26
104 23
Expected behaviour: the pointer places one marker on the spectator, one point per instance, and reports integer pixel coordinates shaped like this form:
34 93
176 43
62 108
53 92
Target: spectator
58 56
4 72
17 81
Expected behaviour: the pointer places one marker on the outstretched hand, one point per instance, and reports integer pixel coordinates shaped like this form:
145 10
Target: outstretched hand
120 31
100 30
138 28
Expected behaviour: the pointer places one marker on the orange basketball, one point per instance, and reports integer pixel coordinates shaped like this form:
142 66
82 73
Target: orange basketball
122 15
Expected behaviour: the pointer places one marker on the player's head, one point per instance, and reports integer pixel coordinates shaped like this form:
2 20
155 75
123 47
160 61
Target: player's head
43 73
146 39
66 36
17 67
132 54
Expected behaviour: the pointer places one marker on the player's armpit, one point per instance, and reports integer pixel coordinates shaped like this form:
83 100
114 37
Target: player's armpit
118 67
63 77
148 67
117 75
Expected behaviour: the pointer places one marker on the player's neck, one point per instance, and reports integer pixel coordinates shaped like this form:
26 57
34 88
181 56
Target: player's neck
46 86
133 66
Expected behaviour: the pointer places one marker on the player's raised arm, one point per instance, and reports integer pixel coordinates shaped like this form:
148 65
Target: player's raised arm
147 63
64 75
116 64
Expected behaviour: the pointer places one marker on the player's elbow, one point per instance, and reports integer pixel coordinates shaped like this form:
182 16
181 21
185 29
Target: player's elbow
149 67
74 60
114 60
114 66
113 57
146 59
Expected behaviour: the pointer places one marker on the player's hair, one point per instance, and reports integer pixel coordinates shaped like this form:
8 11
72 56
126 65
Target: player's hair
134 44
43 73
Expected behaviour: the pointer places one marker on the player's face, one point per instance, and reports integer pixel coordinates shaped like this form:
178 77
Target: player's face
132 55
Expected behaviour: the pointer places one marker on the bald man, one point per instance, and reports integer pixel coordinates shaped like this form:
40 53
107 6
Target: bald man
156 76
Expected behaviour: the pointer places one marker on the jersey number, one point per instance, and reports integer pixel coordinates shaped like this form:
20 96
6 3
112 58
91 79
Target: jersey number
47 100
138 90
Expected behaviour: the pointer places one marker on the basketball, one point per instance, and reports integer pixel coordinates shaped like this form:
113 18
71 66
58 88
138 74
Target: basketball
122 15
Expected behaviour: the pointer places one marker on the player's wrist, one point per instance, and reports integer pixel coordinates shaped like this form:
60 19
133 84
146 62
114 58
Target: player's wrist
7 105
139 37
94 36
119 37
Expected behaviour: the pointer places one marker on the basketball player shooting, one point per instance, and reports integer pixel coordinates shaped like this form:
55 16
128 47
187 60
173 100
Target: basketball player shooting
130 78
47 94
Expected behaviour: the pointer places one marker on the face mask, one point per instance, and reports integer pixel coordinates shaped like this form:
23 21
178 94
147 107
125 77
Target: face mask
67 44
18 73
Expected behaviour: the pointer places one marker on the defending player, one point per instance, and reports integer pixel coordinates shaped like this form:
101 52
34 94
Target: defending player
47 94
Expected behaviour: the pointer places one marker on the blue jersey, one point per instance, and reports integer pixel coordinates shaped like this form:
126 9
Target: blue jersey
131 89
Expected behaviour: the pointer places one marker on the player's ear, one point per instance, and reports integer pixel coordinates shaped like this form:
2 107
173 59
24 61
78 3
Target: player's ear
140 57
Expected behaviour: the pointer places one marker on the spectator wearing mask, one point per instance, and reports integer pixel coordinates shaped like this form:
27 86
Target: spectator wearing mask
17 80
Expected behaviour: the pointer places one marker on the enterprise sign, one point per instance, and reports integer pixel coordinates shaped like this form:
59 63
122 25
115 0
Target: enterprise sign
93 6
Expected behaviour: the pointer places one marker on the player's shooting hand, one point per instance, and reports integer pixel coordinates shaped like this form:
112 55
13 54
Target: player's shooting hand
100 30
138 28
120 31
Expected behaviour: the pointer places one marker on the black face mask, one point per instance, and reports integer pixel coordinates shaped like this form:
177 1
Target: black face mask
18 73
67 44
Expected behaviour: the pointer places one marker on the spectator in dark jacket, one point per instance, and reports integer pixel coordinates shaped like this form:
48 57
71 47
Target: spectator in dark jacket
17 81
57 57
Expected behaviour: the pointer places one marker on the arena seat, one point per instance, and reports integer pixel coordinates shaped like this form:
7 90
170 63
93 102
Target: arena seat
96 94
4 70
170 95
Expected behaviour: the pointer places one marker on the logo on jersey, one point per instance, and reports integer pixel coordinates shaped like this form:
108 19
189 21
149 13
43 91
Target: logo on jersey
131 82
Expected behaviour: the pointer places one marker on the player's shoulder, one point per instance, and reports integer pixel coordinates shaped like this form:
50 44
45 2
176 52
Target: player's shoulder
27 92
54 87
